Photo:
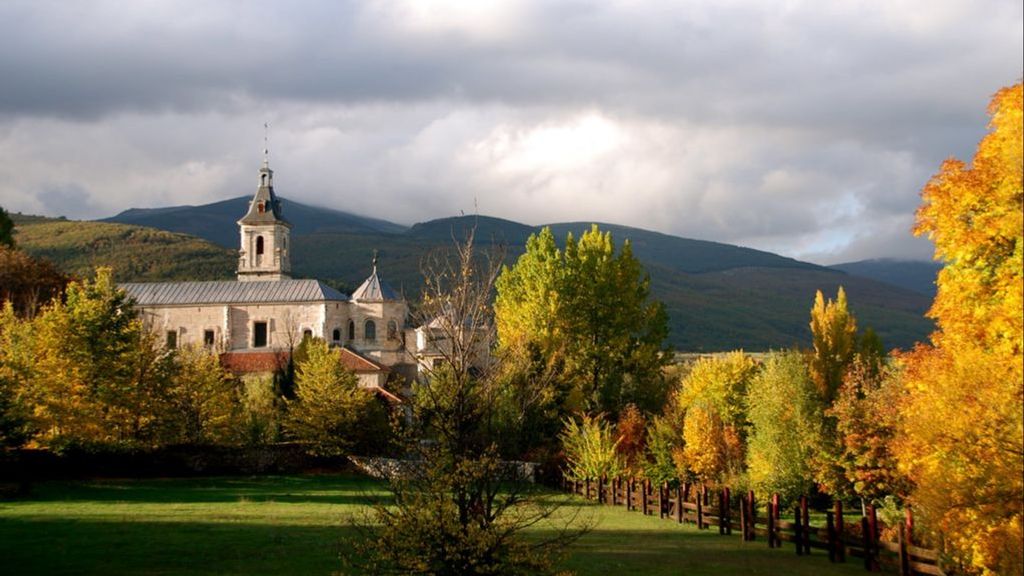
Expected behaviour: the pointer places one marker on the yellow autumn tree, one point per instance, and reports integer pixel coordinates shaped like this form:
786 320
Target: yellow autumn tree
962 435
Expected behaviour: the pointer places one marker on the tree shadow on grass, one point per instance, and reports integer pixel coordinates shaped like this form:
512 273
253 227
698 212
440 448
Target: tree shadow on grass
88 547
341 490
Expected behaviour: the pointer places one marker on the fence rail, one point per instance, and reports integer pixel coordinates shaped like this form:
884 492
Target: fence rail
686 503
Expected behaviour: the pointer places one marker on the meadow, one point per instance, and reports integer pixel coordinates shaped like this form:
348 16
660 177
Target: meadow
304 525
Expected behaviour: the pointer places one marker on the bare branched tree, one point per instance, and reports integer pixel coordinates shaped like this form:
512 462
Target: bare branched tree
458 505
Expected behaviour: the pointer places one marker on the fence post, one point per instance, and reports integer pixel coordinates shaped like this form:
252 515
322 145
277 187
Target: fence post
873 529
904 554
771 524
700 511
679 503
776 511
629 493
841 545
909 521
806 539
754 516
663 500
830 531
797 531
587 488
744 523
727 509
643 497
866 531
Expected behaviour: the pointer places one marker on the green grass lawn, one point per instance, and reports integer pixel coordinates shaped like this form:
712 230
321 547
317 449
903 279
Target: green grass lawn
302 524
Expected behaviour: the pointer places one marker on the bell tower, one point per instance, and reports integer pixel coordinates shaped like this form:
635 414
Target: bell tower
265 251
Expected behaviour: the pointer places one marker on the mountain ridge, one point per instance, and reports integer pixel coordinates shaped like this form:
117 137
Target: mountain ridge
718 296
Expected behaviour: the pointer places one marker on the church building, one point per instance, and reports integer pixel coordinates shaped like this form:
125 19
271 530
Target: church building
255 322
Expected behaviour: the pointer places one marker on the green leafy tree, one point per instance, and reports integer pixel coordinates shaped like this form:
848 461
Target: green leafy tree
330 410
586 310
202 400
456 506
785 412
662 440
591 449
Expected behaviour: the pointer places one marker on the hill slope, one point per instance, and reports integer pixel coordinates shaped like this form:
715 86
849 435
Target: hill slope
134 252
916 275
718 296
216 222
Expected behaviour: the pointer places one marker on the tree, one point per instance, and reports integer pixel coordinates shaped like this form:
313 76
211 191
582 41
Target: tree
6 229
28 283
591 449
98 376
834 338
867 416
330 410
961 439
15 360
202 399
586 310
785 416
631 431
711 401
457 507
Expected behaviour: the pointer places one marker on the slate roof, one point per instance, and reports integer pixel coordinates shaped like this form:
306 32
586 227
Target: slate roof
272 206
230 292
373 289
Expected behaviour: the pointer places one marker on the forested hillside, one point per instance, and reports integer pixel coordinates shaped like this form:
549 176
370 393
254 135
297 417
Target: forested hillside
718 296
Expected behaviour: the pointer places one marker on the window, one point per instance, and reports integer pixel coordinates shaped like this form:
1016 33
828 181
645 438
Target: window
259 245
208 338
336 335
259 334
351 330
260 208
172 339
370 331
392 330
307 334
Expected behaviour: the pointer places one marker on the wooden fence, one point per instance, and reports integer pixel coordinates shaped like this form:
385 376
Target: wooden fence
838 538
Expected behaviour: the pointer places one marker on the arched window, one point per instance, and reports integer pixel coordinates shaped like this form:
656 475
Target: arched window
336 335
351 330
263 179
260 208
259 245
392 330
369 331
307 334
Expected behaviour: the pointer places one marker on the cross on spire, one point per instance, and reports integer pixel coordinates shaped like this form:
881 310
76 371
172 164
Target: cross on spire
266 148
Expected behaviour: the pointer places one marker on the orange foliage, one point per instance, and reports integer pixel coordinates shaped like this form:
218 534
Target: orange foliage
962 436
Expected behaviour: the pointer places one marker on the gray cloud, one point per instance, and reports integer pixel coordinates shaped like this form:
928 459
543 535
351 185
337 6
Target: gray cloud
806 129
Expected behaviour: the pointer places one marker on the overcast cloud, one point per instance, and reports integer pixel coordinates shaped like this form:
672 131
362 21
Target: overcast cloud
804 128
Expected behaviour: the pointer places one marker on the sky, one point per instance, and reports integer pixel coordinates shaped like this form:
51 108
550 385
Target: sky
802 128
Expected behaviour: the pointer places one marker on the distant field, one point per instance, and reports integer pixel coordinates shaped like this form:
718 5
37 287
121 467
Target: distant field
301 525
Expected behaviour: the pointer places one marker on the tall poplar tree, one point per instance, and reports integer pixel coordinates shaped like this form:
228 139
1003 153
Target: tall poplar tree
586 310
